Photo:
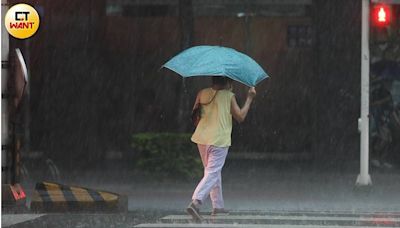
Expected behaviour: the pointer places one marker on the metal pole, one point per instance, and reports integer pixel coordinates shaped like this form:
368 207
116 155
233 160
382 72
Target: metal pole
27 103
5 139
364 178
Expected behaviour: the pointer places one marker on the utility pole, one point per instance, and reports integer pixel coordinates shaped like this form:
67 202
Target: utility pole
364 178
14 79
5 65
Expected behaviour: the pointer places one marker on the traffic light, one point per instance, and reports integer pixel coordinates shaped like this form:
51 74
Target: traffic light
381 15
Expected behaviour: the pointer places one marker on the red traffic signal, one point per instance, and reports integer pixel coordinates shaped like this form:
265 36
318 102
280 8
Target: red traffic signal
381 15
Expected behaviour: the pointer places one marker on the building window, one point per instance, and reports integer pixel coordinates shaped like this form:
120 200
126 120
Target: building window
299 36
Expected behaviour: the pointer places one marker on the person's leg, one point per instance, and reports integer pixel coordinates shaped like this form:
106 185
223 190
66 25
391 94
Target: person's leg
216 192
216 197
193 207
203 154
203 151
212 172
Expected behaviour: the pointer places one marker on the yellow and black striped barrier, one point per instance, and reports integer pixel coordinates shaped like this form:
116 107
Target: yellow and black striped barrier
54 197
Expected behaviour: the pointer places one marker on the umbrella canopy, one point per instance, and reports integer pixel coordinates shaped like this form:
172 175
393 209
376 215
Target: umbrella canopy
217 61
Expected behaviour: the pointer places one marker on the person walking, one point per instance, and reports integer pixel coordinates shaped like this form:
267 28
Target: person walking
213 138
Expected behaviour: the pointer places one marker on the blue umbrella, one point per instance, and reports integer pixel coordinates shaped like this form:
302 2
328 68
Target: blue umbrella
217 61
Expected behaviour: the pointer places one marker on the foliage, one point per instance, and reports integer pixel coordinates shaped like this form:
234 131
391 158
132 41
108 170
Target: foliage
167 155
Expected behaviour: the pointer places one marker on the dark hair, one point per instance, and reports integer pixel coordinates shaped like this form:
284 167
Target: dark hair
220 80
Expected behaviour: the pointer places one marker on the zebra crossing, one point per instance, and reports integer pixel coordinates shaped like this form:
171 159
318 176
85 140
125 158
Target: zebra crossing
13 219
276 219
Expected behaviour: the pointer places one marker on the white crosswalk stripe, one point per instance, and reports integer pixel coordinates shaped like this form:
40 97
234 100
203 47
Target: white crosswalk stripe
160 225
12 219
283 220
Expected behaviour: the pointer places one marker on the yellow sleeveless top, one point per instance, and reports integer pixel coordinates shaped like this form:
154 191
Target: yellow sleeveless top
215 126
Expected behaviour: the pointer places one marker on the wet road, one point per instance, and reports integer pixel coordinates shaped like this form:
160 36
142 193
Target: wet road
274 219
256 189
80 220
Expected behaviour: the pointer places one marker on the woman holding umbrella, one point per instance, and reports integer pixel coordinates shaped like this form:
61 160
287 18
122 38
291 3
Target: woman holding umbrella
213 138
217 105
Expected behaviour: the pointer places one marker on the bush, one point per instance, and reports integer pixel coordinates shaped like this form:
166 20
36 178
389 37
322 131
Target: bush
167 155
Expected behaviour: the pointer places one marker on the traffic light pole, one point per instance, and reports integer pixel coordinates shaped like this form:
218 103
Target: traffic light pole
364 178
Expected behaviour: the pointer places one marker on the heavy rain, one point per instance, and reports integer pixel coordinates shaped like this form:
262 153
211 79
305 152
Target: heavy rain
97 133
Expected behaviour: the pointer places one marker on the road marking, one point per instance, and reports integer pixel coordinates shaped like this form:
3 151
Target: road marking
321 213
192 225
282 220
12 219
280 217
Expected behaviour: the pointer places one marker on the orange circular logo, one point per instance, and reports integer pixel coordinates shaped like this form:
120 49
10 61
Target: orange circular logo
22 21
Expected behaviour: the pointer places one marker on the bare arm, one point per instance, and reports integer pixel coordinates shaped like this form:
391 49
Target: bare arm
197 101
239 114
